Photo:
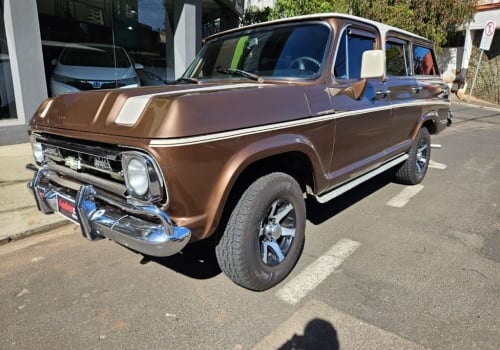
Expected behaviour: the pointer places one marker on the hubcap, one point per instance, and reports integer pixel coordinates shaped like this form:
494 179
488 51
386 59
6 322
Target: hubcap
422 156
277 231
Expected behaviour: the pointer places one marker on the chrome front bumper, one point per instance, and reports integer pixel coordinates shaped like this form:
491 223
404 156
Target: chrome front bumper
114 220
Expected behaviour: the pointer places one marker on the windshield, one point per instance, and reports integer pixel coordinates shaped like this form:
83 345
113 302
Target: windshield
279 52
94 56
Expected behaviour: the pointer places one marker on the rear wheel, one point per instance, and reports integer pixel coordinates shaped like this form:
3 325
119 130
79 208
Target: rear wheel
265 233
413 170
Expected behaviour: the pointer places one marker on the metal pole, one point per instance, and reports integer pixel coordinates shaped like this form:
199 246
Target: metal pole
475 76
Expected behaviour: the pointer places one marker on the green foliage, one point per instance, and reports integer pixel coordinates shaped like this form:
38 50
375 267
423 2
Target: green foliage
487 86
432 19
254 14
290 8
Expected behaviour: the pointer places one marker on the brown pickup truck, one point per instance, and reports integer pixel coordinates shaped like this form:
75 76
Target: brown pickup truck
264 116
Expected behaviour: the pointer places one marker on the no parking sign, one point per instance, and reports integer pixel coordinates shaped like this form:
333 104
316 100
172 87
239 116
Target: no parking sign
488 33
486 39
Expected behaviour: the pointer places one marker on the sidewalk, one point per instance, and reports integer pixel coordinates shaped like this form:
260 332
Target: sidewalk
19 216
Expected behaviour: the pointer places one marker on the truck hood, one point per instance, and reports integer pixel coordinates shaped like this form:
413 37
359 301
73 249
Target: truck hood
173 111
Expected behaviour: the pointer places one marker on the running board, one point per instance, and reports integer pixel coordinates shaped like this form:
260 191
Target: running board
359 180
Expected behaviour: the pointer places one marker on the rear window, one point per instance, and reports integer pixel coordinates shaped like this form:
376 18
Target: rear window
424 62
91 56
397 57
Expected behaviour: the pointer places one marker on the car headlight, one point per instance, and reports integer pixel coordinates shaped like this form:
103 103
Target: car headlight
63 79
37 150
143 177
138 177
128 81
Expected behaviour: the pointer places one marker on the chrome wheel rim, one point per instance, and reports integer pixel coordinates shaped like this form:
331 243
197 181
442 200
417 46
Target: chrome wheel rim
422 156
277 231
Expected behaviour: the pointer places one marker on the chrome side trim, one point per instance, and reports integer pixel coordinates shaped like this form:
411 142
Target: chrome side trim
193 140
351 184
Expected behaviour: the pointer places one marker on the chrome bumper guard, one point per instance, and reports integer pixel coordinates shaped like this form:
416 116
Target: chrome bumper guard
121 226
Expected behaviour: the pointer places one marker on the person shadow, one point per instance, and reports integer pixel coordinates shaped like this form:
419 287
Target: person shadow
318 335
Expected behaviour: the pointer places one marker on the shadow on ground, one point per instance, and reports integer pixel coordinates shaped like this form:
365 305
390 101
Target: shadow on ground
318 213
318 335
198 260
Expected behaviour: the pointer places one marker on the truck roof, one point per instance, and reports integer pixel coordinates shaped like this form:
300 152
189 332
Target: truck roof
383 28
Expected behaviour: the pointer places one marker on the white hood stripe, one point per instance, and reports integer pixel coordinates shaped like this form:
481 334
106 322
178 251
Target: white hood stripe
134 106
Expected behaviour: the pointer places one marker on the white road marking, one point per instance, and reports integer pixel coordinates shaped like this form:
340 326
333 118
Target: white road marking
404 196
436 165
436 145
318 271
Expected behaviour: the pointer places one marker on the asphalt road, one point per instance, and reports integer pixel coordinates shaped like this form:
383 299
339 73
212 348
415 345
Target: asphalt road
384 267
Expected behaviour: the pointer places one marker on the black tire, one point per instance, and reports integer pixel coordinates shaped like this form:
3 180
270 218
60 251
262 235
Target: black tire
264 236
413 170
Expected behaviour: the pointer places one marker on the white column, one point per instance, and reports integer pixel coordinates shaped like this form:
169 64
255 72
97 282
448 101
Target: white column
187 33
26 60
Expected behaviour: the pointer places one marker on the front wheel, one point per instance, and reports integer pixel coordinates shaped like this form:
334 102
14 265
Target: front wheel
413 170
265 233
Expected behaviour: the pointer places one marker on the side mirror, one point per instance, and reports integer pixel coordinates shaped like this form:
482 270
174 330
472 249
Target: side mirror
373 64
54 62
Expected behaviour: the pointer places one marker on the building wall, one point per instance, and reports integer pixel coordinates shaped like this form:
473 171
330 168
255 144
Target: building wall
35 32
454 61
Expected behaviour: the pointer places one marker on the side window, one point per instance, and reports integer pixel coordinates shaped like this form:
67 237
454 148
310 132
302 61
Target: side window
350 51
424 62
397 54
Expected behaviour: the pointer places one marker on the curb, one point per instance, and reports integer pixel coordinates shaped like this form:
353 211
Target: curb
33 232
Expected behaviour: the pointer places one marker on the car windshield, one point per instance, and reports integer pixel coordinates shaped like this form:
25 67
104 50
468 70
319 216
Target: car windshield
94 56
280 52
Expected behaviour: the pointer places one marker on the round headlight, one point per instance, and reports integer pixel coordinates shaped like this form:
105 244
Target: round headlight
138 178
37 149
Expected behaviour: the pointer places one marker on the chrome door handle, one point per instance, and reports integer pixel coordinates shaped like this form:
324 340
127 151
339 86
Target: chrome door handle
382 94
415 89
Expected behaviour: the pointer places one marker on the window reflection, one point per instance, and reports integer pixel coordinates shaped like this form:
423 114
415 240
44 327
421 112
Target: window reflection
101 44
143 29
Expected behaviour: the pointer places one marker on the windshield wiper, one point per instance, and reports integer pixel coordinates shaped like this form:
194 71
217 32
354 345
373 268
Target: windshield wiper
241 73
188 79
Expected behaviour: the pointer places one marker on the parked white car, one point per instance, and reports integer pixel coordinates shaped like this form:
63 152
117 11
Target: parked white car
93 67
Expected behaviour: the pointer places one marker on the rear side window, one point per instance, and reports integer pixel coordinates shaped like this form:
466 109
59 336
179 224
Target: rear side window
397 57
424 62
350 51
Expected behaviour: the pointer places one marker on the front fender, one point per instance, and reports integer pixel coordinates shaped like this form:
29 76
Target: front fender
252 153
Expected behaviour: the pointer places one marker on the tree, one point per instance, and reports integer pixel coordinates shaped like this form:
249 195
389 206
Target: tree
254 14
433 19
290 8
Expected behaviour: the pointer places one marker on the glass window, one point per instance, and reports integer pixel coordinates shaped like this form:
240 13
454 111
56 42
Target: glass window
7 102
279 52
95 56
424 62
397 58
349 53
